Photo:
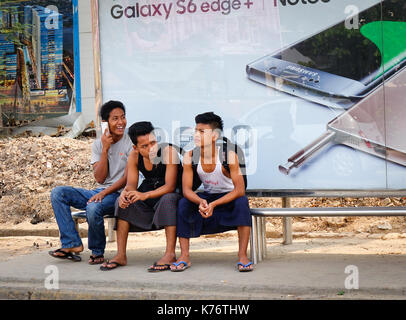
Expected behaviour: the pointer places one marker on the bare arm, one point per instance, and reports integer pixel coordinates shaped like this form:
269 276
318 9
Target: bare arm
171 160
101 168
187 180
133 173
238 181
119 184
132 180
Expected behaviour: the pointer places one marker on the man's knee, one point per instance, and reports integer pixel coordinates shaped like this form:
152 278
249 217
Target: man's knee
241 201
57 193
94 212
184 206
170 197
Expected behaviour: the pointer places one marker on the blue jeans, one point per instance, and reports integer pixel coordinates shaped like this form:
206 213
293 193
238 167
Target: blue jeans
62 198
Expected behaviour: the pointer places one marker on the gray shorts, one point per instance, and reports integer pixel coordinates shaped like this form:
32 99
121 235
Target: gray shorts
143 217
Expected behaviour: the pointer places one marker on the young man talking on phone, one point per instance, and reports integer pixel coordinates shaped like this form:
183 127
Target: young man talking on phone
109 160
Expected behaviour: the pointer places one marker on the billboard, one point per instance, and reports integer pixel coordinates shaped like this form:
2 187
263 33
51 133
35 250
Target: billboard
311 90
37 59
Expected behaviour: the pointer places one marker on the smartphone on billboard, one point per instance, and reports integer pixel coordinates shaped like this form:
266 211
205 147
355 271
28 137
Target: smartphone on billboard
372 128
374 125
340 65
104 127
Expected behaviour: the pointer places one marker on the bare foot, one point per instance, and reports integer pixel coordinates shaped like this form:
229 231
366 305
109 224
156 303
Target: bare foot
168 258
245 261
122 261
72 250
96 259
163 263
181 266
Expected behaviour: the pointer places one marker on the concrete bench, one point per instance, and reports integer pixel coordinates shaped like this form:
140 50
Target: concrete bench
258 234
111 234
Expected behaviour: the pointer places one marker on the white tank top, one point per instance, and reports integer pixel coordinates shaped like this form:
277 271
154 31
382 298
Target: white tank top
216 181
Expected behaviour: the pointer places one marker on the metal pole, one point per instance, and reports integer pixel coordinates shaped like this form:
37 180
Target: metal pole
251 242
330 212
261 238
254 252
76 224
287 223
258 238
264 236
111 233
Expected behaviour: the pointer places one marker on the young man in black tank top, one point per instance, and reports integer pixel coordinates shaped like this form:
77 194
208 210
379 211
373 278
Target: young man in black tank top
152 205
223 205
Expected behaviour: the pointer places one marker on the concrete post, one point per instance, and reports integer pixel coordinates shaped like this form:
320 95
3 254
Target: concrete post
287 224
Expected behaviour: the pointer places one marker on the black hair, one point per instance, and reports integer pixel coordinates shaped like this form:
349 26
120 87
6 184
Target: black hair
139 129
211 119
106 109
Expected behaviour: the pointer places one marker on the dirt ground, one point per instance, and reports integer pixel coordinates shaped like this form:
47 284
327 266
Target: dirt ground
31 166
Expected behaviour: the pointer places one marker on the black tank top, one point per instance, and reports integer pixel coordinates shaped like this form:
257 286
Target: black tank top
158 170
155 178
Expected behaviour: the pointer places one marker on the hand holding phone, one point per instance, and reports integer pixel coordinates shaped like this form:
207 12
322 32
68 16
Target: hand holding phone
106 137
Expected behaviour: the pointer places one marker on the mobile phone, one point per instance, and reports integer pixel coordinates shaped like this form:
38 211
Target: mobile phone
367 126
104 126
339 66
373 129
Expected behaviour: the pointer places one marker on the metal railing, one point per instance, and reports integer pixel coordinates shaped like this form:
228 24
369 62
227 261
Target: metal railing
258 234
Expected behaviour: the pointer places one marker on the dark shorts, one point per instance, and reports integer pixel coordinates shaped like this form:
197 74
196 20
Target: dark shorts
143 217
190 224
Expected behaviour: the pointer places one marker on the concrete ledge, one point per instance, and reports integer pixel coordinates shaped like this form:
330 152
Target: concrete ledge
16 290
36 232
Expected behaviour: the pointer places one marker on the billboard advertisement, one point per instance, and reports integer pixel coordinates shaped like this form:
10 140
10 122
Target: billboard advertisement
312 91
37 59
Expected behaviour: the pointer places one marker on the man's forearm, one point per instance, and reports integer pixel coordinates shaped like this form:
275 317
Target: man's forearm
119 184
227 198
101 169
160 191
192 196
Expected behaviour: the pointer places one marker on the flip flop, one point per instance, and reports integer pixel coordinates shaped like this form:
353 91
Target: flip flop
185 266
115 265
245 267
93 258
159 267
66 255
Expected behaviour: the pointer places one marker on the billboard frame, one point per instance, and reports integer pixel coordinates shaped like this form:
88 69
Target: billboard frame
76 49
96 58
274 193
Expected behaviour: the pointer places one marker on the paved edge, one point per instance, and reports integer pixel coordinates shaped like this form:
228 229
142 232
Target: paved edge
12 289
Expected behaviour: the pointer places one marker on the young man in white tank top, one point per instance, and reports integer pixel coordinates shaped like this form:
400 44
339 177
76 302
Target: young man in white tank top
222 206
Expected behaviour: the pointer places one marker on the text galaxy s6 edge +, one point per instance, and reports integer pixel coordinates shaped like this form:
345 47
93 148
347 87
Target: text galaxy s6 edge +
340 65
